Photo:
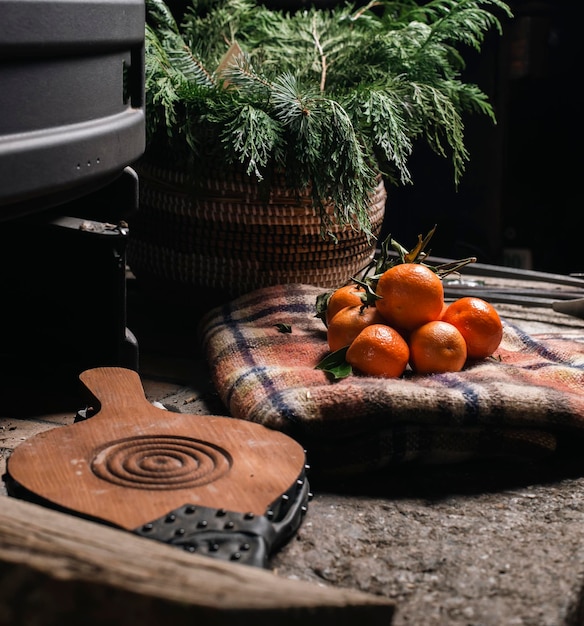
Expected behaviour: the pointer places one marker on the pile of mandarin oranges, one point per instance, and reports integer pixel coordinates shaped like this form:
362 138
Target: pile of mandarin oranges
408 322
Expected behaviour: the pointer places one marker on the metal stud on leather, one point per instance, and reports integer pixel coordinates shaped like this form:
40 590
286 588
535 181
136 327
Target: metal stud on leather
232 536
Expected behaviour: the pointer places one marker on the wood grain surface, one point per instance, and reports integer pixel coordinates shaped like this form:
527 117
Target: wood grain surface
57 569
133 462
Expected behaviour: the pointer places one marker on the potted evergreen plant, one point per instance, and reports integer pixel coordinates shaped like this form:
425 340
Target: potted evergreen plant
273 136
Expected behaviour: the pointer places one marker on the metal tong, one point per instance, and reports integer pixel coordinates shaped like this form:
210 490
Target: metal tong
570 302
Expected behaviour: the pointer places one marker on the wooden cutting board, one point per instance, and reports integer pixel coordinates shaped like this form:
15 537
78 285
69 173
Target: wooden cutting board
133 462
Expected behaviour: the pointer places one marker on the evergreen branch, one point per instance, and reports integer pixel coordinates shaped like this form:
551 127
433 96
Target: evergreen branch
252 138
242 74
322 56
329 96
321 126
462 22
161 26
383 115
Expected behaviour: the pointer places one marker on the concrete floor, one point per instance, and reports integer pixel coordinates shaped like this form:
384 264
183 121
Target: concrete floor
469 545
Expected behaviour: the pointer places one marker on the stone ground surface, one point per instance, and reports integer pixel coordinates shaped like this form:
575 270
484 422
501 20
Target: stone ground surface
468 545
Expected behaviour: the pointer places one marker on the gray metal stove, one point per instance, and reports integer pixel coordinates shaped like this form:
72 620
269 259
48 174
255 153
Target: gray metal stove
71 125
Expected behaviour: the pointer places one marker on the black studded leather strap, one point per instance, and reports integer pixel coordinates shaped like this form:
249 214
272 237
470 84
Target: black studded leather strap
230 535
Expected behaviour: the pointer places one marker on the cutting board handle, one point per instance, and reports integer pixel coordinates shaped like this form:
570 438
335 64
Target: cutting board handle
114 387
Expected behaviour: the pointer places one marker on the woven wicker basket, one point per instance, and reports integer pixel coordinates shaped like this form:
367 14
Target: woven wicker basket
225 233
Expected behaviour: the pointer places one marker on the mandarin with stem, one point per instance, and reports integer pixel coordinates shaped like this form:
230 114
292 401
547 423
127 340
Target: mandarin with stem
410 295
379 350
347 295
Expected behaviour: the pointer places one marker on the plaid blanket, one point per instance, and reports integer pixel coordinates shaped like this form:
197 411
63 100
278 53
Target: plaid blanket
519 403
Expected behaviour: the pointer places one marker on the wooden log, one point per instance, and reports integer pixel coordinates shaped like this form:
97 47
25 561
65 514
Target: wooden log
56 568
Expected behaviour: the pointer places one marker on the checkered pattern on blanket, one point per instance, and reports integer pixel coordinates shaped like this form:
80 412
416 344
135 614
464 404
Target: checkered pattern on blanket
516 404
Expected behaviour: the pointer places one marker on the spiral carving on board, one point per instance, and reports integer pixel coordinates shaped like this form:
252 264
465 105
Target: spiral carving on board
161 462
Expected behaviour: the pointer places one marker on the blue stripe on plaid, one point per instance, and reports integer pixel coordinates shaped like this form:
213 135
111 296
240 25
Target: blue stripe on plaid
533 345
272 393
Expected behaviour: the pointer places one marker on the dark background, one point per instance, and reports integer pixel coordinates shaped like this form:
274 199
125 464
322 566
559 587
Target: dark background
521 189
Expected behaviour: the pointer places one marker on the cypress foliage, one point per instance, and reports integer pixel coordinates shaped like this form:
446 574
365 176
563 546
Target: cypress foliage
333 97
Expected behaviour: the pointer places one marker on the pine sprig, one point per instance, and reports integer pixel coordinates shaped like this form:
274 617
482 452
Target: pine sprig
332 97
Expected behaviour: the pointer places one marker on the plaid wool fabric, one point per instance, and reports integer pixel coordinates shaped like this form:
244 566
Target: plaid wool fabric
519 403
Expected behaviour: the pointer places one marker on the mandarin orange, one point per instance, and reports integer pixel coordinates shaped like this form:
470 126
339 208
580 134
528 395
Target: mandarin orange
437 347
345 325
379 350
479 324
411 294
348 295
